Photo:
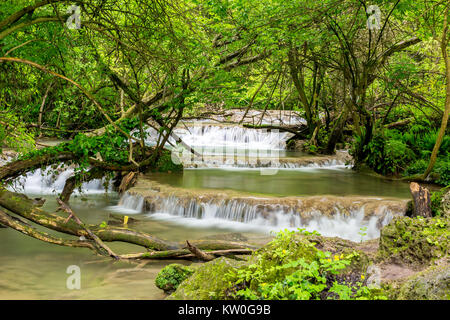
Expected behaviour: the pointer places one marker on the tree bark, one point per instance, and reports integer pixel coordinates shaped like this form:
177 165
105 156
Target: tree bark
421 200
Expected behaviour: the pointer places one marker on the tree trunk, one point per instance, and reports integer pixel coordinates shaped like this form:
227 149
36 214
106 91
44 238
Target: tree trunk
440 138
421 200
336 134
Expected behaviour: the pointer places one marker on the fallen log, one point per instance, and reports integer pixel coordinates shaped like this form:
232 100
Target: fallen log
160 249
100 244
199 253
21 227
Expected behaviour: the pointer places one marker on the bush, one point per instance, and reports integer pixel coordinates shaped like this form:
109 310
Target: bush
417 167
408 153
437 205
442 169
388 155
291 267
171 276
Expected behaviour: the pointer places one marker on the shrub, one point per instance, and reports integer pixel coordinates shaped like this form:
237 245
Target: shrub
388 155
291 267
171 276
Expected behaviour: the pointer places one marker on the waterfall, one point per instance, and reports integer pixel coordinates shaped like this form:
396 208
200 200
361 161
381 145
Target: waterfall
129 204
253 215
50 181
200 135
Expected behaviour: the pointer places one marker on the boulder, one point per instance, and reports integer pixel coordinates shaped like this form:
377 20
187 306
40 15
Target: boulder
415 241
208 281
431 284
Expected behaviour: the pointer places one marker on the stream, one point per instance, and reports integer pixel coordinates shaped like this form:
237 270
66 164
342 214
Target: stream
31 269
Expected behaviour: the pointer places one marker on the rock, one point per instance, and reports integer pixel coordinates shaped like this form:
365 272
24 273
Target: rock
171 276
416 241
208 281
445 203
431 284
344 156
373 276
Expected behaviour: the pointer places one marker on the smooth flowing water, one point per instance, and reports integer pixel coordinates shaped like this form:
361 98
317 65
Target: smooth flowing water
31 269
288 182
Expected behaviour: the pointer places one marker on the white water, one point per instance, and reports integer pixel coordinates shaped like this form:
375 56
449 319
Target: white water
240 216
46 182
129 204
208 135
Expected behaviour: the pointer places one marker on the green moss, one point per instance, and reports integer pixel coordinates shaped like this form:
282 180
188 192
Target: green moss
432 283
165 163
276 263
208 281
300 265
415 240
439 202
171 276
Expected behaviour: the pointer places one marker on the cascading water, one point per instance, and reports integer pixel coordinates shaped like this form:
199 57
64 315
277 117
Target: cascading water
49 182
243 215
199 135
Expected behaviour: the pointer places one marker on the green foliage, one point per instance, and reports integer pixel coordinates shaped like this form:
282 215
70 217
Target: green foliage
387 155
165 163
13 133
171 276
442 169
110 147
392 152
415 240
437 205
291 267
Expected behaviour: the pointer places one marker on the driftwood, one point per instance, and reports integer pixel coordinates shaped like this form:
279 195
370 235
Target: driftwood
100 244
96 235
199 253
127 181
421 200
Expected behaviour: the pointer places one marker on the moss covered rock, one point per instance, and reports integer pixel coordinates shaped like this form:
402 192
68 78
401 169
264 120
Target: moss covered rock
171 276
208 281
440 202
431 284
415 240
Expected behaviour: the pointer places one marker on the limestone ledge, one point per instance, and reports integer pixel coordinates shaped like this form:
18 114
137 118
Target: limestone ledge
307 207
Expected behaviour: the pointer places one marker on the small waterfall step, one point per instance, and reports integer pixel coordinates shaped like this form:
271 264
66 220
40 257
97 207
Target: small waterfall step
329 215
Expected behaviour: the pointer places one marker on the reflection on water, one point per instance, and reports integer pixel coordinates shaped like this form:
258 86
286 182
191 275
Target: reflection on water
288 182
31 269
